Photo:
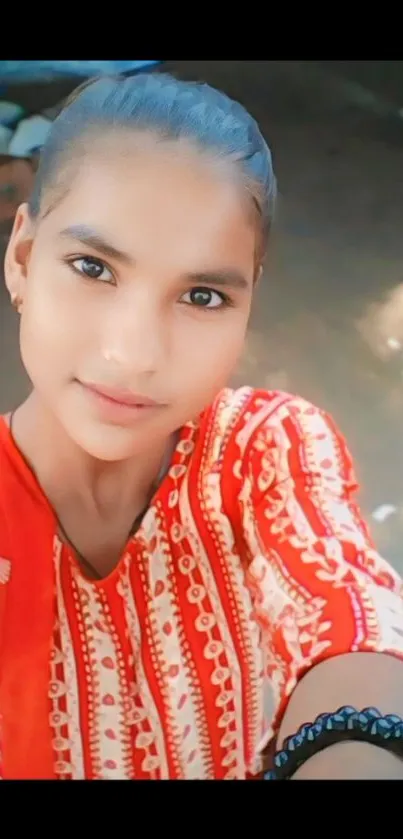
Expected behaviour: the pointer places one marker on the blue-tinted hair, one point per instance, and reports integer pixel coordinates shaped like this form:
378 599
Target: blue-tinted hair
172 110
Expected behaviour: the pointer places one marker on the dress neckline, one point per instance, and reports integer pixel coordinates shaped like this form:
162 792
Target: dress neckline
172 469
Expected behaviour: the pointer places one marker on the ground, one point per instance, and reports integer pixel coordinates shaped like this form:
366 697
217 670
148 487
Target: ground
328 320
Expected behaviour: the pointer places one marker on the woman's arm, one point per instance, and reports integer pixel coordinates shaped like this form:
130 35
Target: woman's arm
330 608
360 680
351 762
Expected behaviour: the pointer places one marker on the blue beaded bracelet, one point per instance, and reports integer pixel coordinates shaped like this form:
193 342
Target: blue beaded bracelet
368 725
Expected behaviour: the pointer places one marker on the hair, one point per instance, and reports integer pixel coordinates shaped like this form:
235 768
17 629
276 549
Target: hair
171 110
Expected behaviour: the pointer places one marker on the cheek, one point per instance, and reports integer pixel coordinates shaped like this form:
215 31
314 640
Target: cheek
207 352
51 326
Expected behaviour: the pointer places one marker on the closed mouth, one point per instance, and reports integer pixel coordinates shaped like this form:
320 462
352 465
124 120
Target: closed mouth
120 396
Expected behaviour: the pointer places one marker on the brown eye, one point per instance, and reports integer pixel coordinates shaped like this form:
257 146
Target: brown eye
92 268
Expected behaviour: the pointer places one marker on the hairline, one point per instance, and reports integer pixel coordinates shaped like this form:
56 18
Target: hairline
223 162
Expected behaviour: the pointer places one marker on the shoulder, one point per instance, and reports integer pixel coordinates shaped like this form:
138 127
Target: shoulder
255 441
5 448
242 412
19 489
252 408
282 432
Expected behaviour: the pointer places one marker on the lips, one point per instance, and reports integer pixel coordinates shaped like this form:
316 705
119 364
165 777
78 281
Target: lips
119 396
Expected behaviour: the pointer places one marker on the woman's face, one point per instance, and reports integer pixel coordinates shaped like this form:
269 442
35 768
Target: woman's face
138 283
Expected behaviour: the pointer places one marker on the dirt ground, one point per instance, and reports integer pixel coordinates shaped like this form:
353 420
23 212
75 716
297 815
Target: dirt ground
328 320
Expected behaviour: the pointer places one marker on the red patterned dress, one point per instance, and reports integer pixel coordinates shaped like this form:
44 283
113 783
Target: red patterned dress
251 565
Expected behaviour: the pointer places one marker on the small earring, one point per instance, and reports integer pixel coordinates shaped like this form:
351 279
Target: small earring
16 302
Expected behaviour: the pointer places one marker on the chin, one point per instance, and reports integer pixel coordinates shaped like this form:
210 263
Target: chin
108 443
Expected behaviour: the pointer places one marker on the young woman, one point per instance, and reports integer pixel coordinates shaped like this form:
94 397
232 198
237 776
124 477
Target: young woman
185 577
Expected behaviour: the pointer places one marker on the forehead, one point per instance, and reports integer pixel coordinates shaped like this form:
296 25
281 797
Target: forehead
160 204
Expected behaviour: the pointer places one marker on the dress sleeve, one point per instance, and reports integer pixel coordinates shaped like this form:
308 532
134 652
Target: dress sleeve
318 586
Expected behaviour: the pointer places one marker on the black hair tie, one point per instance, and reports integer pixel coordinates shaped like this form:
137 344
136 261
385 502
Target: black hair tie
368 725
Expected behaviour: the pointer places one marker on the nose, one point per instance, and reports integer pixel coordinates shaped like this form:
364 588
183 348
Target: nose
135 336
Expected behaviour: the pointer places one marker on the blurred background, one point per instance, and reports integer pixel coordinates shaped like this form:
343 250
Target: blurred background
328 319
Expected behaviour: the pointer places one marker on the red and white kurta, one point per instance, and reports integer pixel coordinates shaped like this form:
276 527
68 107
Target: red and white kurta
251 565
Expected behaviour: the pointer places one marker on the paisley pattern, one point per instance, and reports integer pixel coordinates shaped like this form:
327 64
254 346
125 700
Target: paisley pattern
251 565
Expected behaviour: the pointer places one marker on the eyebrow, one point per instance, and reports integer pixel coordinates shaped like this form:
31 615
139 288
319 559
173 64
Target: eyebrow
92 238
230 278
86 235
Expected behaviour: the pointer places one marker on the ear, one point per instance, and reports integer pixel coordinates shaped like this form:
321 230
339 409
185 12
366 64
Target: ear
18 253
259 272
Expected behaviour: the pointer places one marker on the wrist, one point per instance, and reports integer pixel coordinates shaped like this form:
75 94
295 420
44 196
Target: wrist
346 725
351 760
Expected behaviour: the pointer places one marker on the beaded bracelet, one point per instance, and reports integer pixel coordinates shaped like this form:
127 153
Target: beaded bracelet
347 723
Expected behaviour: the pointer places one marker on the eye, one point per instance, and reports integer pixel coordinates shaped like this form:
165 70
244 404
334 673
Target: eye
205 298
92 268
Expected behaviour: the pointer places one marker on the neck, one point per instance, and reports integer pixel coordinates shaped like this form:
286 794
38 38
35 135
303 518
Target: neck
66 473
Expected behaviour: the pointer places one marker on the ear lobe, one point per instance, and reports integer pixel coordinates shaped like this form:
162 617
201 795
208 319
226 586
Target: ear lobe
258 276
18 253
